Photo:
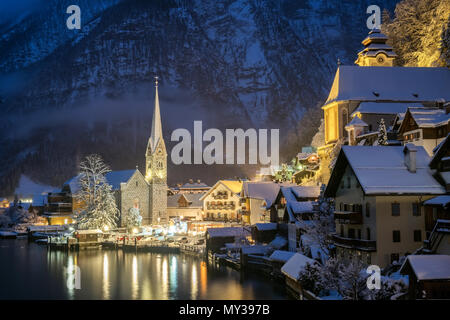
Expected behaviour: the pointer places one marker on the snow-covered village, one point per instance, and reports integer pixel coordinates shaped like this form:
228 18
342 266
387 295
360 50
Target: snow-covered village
323 179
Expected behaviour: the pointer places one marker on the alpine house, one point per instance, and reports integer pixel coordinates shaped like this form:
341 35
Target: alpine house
378 193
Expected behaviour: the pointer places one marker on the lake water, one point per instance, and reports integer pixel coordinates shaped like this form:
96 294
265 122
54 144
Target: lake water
31 271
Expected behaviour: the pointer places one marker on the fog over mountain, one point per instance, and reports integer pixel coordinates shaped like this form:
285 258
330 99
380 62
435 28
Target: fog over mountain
242 63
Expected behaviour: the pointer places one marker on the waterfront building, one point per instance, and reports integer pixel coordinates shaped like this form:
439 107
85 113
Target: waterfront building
378 192
292 269
257 199
222 202
185 206
130 188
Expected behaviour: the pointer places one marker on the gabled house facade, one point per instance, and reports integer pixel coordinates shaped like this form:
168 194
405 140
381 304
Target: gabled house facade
378 192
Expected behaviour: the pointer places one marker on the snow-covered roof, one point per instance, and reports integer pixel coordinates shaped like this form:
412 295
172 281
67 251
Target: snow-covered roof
302 207
384 107
429 117
293 206
279 242
114 178
28 187
265 226
257 249
356 122
306 191
227 232
382 170
265 190
235 186
192 198
402 84
429 267
443 200
194 185
281 255
295 265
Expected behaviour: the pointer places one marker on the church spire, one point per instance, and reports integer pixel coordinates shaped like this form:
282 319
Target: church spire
156 133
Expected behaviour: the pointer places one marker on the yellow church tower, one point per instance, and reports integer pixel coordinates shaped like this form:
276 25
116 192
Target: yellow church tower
156 167
376 52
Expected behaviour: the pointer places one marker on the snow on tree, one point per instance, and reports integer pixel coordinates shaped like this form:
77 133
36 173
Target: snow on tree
99 209
382 134
15 216
321 225
134 218
417 32
311 278
319 138
347 276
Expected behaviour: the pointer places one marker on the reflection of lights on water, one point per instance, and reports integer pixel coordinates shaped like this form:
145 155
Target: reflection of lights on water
134 283
194 283
70 276
165 282
203 278
105 277
173 273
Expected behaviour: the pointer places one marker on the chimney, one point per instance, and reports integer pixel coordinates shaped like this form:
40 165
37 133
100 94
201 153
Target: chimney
410 152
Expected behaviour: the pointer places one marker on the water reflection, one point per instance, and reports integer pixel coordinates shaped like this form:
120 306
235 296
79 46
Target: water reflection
135 283
173 274
43 274
164 280
106 294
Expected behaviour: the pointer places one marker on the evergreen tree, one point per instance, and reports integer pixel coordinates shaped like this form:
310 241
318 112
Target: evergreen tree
99 209
382 134
417 32
134 218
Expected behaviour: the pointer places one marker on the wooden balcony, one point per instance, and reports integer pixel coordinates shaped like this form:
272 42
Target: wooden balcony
360 244
348 217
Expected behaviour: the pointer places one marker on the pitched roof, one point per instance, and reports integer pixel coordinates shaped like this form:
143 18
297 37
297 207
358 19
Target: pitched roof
384 107
295 265
114 178
281 255
440 151
381 170
356 122
265 190
192 198
429 117
407 84
428 267
443 201
227 232
194 185
235 186
293 206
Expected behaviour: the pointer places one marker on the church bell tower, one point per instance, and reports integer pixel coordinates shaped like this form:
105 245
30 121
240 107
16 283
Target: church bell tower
156 167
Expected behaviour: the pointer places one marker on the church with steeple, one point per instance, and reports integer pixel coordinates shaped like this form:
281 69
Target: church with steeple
156 167
373 89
